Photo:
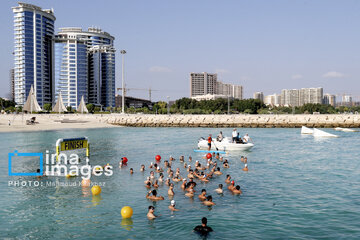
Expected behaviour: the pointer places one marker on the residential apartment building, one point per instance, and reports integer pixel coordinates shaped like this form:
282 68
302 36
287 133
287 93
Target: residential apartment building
273 100
290 97
203 83
311 95
85 66
259 95
230 90
330 99
34 33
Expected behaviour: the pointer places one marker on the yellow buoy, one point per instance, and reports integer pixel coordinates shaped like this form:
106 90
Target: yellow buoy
96 190
126 212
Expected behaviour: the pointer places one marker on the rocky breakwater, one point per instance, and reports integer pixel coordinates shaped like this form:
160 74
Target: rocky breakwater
236 120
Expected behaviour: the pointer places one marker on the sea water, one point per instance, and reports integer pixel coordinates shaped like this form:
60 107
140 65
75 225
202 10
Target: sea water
297 187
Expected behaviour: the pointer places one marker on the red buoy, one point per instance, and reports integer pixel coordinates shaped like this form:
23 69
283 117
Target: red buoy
208 156
124 160
157 157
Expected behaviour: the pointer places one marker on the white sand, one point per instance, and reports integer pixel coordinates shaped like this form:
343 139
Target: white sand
49 122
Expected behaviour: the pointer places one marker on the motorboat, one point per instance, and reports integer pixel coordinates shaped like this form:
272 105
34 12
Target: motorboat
320 133
344 129
306 130
224 145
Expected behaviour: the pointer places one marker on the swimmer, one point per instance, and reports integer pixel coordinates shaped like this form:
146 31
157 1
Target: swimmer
142 169
181 158
131 171
150 213
202 195
208 201
171 159
219 189
190 193
185 165
190 158
151 165
177 178
188 168
217 156
154 196
152 176
37 171
203 229
166 163
191 174
158 169
156 185
167 182
218 172
245 160
221 159
237 190
231 187
147 180
171 190
242 159
172 206
171 174
226 164
245 168
228 179
161 178
183 185
148 185
120 164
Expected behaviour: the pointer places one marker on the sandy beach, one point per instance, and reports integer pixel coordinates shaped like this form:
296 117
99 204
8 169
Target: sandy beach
46 122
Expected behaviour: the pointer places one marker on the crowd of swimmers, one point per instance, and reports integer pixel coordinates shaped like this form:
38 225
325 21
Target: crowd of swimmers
191 174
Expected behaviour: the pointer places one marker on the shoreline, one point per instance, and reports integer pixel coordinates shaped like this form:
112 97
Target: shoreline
46 122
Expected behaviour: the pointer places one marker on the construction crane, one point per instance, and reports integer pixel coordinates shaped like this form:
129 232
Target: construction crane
140 89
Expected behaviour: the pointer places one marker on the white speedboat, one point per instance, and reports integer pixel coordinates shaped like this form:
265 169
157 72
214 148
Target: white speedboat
225 145
306 130
320 133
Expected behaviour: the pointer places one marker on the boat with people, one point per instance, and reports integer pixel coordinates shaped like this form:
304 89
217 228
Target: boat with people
224 145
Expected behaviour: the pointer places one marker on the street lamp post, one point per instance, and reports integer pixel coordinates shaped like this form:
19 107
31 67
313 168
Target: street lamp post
123 52
168 105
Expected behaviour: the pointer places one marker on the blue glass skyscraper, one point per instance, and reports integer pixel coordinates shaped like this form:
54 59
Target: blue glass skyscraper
85 66
34 33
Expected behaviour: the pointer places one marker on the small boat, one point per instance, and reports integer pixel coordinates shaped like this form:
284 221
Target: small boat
344 129
320 133
224 145
306 130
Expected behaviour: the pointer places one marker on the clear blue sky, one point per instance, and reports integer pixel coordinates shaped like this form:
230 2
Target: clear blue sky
262 45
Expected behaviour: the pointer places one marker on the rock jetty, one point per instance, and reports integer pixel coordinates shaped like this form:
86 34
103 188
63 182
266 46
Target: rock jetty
236 120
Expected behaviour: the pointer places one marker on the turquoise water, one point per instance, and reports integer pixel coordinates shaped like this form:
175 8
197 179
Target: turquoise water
297 187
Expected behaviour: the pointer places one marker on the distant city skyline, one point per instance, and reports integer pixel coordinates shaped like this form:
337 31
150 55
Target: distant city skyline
264 46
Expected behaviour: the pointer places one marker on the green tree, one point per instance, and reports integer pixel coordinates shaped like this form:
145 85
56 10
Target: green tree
47 107
90 107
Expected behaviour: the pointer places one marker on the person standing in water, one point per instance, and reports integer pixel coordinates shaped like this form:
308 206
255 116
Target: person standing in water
209 142
234 135
203 229
150 213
